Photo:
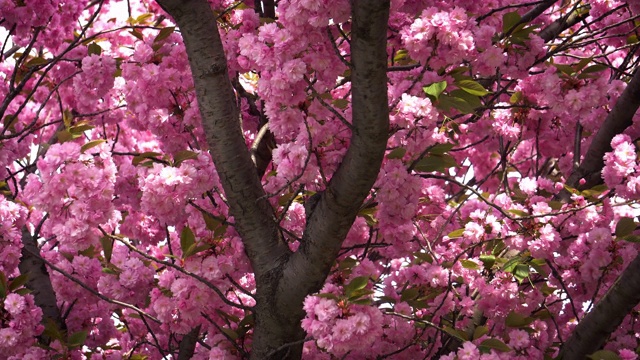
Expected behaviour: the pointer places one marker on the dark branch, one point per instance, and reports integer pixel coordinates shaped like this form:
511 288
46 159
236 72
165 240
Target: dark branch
594 330
616 122
221 122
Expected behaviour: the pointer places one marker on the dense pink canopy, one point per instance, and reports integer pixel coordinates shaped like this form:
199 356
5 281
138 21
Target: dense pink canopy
488 233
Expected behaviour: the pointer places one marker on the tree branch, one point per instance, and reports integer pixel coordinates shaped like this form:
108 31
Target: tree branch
39 282
594 329
188 344
620 118
339 204
555 28
248 204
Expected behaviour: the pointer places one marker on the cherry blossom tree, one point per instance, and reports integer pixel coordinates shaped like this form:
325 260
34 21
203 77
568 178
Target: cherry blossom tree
319 179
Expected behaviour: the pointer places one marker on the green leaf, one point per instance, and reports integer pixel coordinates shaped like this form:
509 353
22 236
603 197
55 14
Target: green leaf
142 18
547 290
446 102
94 49
488 260
231 334
64 136
9 122
245 325
23 291
594 191
440 149
459 334
516 320
473 100
67 118
340 103
36 61
110 271
18 282
182 156
457 72
80 128
538 266
144 156
455 234
515 97
228 316
3 285
510 20
397 153
604 355
187 240
164 33
521 272
91 144
362 301
196 249
511 264
582 63
479 332
400 55
594 69
89 252
52 331
248 320
347 263
494 344
211 222
472 87
328 296
357 294
423 257
518 212
625 227
137 34
220 231
435 89
565 69
522 33
631 238
435 162
409 294
469 264
139 357
77 339
357 283
107 247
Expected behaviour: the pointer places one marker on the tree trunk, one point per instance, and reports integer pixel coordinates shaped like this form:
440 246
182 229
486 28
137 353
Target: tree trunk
594 329
39 282
283 278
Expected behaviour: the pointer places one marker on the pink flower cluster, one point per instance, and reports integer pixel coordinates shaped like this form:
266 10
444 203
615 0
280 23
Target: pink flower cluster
76 190
19 323
621 167
339 328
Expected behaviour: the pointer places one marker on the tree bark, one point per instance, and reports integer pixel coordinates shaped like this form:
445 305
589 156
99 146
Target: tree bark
620 118
39 282
594 329
283 278
188 344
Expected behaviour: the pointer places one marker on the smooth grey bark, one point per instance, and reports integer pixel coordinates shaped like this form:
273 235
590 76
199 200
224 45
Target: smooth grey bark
39 283
283 278
594 329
